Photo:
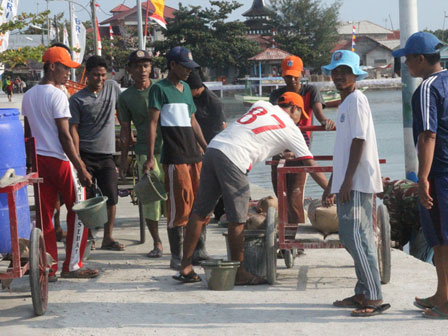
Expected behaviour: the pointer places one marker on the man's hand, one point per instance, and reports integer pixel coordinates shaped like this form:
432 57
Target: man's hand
148 166
328 198
423 193
85 178
344 192
329 124
288 155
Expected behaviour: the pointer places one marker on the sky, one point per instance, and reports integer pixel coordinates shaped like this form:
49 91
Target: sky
432 14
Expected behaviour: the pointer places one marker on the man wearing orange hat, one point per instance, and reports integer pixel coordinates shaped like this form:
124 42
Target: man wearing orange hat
263 131
46 112
292 67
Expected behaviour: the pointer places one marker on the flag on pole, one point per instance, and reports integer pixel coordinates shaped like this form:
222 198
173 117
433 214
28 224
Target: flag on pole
65 37
111 33
52 35
157 16
79 44
98 38
9 11
353 38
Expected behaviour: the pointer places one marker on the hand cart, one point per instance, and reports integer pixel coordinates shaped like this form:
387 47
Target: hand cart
36 265
287 231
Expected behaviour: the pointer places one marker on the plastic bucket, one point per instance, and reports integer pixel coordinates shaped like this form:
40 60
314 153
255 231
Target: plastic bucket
150 189
220 274
254 251
12 155
92 212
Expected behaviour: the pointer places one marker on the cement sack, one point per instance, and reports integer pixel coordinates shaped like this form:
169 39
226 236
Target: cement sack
323 219
266 202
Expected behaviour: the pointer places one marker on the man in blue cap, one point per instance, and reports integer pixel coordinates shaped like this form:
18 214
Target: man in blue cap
430 127
171 102
356 177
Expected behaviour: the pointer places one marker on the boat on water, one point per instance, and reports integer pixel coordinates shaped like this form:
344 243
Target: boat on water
330 97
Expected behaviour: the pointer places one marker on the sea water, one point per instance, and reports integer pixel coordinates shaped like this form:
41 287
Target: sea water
386 109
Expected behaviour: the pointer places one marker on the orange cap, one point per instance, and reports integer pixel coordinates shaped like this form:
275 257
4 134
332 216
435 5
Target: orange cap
292 66
292 98
59 55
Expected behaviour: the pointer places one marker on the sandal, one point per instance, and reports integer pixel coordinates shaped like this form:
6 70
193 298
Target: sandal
82 273
349 302
437 314
376 310
155 253
113 246
187 278
422 304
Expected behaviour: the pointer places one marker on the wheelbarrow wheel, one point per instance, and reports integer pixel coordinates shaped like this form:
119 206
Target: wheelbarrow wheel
270 246
384 256
38 272
289 256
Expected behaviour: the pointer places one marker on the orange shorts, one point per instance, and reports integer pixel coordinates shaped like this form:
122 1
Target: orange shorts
181 183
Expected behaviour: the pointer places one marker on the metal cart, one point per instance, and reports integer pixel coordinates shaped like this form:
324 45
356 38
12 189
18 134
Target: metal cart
36 265
287 232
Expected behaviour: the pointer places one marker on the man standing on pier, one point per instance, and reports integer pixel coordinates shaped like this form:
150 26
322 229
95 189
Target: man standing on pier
356 177
430 127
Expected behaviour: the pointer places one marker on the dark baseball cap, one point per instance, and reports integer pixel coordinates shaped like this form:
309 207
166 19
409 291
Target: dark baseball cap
420 43
139 55
182 56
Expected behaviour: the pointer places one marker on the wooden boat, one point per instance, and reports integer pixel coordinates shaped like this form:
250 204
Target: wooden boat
331 98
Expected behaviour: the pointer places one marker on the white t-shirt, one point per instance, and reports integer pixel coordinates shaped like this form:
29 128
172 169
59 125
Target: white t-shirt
354 120
42 104
265 130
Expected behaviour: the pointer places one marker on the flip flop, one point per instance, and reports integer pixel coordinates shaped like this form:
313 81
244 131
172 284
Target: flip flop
155 253
376 310
187 278
439 315
422 304
113 246
349 302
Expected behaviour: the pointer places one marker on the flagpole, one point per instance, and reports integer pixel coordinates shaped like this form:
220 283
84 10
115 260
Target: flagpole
95 36
72 35
139 23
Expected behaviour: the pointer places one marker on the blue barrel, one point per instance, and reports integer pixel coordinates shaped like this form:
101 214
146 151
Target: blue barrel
12 155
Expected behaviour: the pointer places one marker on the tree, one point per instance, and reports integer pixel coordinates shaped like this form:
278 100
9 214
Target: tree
441 34
213 41
307 29
14 57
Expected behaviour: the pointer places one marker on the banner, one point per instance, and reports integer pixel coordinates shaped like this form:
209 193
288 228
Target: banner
353 38
98 38
79 41
52 34
157 16
9 11
65 37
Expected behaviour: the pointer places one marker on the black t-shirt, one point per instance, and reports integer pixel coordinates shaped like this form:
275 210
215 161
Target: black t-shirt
209 114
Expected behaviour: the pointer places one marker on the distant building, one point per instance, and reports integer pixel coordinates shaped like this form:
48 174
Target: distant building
444 57
123 16
258 22
374 45
269 62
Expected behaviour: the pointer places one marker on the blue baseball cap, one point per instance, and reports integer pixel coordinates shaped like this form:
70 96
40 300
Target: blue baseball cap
420 43
182 56
348 58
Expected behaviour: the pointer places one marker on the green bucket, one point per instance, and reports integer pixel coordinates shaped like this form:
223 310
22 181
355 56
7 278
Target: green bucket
92 212
220 274
150 189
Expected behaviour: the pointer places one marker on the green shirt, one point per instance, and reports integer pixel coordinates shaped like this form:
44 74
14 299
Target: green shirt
133 106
